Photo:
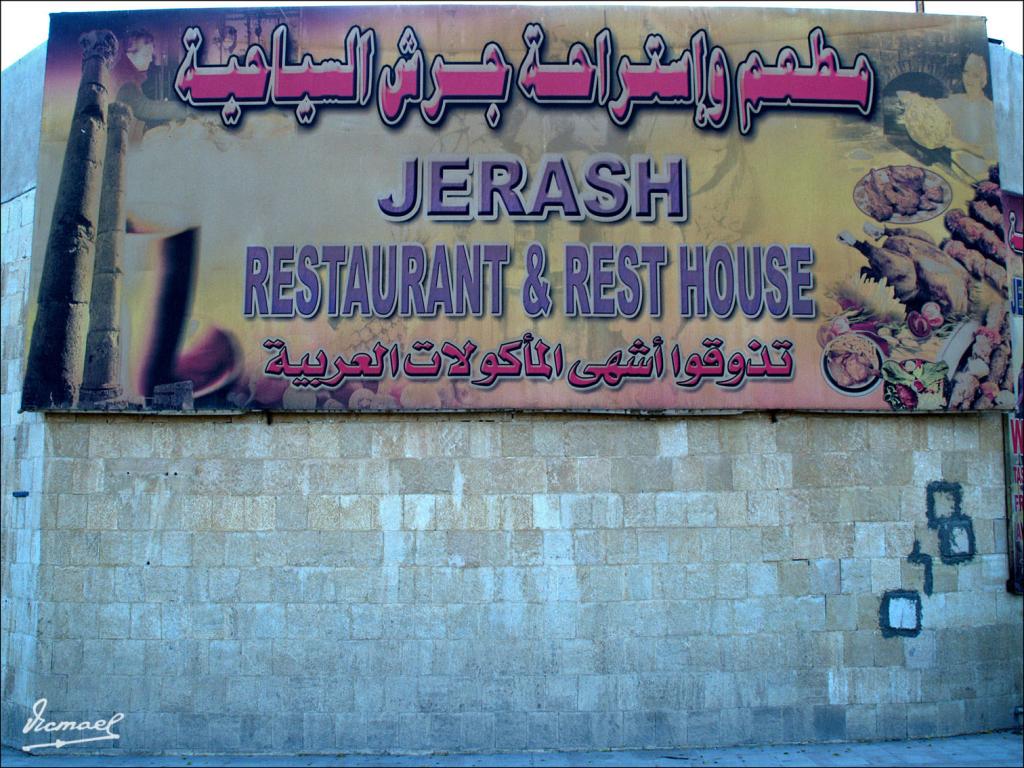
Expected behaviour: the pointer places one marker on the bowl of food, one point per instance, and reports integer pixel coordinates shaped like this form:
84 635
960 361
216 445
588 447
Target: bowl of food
852 364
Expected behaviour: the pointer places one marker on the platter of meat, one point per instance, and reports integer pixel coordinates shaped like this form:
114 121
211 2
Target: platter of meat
902 194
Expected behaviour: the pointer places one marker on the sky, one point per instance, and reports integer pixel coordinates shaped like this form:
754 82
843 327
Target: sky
25 25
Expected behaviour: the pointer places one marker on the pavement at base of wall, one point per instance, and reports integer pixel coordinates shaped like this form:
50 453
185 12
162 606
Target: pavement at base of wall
987 749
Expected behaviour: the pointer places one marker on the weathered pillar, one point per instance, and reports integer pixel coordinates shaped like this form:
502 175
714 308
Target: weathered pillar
102 346
57 351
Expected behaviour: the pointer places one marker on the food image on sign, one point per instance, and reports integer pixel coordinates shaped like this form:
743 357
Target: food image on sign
902 194
852 363
566 208
942 286
913 385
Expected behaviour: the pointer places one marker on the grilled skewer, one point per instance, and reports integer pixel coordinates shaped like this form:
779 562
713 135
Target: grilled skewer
976 264
976 235
989 192
987 215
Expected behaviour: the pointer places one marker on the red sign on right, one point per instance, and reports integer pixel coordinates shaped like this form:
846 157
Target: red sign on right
1013 219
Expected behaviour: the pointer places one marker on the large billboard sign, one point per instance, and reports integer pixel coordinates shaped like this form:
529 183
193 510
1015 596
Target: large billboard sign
505 207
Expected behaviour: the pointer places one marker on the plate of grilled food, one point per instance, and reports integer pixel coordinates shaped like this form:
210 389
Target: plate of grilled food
902 194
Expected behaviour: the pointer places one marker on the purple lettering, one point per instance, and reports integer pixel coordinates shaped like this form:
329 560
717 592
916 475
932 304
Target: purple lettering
307 302
564 195
507 187
334 256
356 285
469 285
281 279
721 281
576 280
414 260
609 199
410 203
691 282
802 280
776 300
630 296
655 257
440 187
670 185
385 281
497 257
748 280
256 274
439 295
601 256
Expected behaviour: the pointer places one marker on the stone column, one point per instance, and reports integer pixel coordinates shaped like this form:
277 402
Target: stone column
102 346
57 352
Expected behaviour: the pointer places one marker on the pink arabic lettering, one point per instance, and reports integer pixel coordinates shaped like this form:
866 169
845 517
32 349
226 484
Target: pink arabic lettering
361 365
234 85
328 82
656 82
487 81
401 84
710 83
526 356
461 357
734 372
643 362
419 369
698 77
823 83
229 86
578 81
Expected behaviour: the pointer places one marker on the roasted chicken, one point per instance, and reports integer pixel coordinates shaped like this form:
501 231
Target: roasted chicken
916 268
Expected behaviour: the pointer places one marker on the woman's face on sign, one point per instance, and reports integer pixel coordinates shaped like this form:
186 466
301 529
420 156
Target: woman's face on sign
140 54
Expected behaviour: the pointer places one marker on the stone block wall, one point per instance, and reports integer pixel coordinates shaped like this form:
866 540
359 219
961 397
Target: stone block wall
21 467
497 582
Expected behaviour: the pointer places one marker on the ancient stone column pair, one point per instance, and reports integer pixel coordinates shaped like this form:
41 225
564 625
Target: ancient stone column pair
88 223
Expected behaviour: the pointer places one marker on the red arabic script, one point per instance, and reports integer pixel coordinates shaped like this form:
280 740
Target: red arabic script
264 79
824 82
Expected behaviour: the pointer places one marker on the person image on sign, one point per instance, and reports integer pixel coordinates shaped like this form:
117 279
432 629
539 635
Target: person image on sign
144 85
956 122
228 43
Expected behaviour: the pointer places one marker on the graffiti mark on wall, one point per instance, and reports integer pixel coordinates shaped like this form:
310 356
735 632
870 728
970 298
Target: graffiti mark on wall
899 614
945 516
917 557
